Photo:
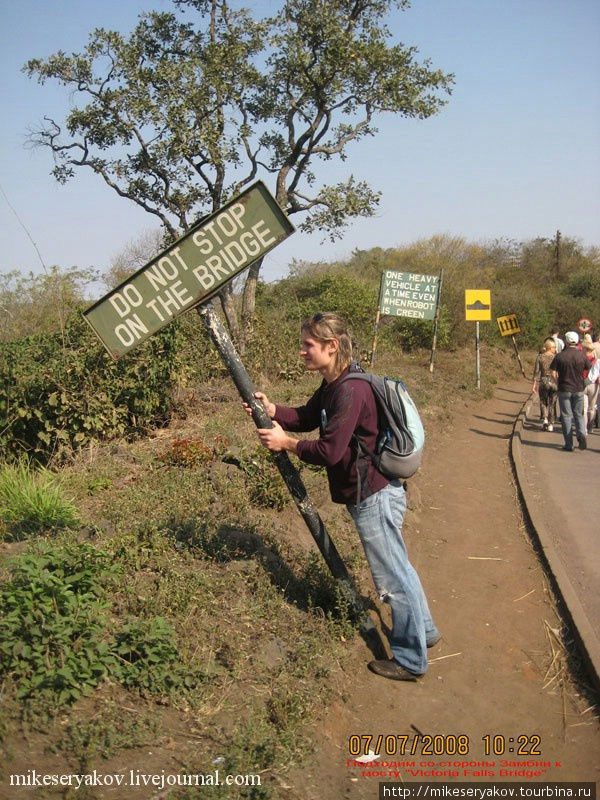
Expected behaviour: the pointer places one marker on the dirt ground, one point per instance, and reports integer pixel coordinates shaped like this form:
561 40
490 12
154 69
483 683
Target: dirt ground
506 668
505 675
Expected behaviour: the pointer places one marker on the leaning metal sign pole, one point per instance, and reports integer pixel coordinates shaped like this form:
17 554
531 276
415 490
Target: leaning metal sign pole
188 274
289 473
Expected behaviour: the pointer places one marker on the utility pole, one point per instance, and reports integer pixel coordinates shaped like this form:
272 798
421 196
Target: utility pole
557 255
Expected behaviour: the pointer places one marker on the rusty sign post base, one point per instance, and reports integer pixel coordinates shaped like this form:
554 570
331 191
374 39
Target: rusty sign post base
291 476
514 341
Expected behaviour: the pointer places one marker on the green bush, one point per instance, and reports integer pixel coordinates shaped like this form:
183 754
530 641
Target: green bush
62 392
53 641
148 657
31 501
353 298
57 641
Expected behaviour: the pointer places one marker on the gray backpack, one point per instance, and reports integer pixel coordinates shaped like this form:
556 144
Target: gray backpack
401 437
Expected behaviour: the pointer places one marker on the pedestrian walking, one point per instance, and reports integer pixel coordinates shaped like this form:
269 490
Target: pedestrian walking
560 345
568 368
590 391
544 383
340 409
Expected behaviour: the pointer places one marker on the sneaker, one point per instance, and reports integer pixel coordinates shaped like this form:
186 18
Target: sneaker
550 428
434 641
582 443
392 670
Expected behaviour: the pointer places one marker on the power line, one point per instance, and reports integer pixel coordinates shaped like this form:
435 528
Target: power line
22 224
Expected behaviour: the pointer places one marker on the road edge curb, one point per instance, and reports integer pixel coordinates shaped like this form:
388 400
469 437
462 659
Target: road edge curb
587 640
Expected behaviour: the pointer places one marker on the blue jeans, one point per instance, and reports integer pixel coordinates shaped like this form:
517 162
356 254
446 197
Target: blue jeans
571 407
378 521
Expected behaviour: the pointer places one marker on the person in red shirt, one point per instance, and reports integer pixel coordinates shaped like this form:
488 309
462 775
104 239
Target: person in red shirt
339 409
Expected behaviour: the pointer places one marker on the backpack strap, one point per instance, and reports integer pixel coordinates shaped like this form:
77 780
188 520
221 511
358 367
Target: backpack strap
362 451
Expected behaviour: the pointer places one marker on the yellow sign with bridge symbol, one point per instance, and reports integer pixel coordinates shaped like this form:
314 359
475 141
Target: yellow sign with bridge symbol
478 305
508 325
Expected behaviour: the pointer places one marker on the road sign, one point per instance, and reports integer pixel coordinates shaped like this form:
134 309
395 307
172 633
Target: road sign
508 325
190 271
584 325
408 294
478 305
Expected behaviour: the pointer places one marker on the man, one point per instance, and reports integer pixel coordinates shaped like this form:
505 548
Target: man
339 409
568 368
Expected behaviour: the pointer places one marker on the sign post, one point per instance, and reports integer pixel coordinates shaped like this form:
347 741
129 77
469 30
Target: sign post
436 322
509 326
188 275
478 307
407 294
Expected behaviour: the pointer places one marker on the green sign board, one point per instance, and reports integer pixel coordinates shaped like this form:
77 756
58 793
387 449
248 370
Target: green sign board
408 294
190 271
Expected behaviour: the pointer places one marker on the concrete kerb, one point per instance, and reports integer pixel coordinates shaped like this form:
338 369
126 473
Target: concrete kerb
587 639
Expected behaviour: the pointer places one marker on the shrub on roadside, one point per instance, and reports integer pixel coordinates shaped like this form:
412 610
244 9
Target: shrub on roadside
31 501
57 640
63 392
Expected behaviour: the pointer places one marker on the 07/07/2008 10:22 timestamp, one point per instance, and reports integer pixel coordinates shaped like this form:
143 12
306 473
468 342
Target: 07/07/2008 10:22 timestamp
442 745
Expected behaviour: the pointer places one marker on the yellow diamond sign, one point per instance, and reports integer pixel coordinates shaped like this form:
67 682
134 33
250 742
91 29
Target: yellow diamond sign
478 305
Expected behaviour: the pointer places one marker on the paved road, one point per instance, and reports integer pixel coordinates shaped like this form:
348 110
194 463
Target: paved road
560 490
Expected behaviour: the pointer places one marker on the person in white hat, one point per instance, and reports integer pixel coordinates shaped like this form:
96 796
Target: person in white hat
568 368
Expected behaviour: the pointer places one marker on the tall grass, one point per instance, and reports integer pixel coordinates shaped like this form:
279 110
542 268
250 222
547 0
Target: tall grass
31 501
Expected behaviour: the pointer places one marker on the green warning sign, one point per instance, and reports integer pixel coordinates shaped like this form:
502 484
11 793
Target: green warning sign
191 271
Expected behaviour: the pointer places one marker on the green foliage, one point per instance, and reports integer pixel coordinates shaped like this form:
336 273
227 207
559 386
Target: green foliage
40 304
522 278
266 487
57 641
63 392
53 641
326 594
106 733
148 657
584 284
236 95
354 298
31 501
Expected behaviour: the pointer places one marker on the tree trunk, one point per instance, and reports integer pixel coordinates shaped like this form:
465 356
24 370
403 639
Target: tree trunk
231 317
249 300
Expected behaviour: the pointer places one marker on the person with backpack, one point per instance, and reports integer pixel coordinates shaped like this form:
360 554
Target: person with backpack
346 414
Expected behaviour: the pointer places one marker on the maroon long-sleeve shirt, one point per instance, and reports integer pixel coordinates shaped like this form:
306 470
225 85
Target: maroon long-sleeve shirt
338 410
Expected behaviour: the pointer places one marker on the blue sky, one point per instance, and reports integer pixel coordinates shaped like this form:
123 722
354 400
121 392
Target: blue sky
514 154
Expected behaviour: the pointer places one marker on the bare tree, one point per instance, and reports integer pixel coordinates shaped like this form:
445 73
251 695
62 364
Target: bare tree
197 103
